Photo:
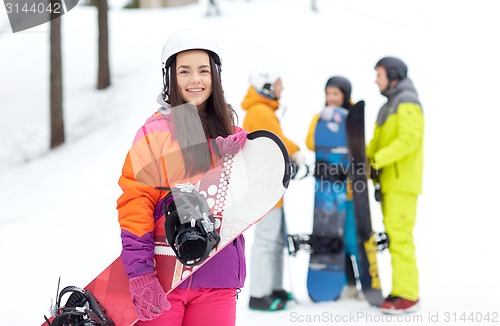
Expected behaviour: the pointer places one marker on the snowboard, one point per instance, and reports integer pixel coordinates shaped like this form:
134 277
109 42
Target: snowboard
326 272
367 244
240 190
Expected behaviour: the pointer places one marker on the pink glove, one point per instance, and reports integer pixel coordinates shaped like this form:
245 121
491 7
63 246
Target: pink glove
232 143
148 296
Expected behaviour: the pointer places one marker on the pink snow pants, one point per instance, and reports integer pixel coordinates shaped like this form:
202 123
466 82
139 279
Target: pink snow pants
194 307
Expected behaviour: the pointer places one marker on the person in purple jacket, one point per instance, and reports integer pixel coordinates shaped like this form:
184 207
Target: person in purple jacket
191 73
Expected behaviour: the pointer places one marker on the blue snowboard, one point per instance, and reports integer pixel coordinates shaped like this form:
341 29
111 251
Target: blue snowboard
326 276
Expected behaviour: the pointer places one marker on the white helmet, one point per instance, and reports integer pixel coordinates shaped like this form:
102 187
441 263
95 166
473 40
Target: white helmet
188 39
263 81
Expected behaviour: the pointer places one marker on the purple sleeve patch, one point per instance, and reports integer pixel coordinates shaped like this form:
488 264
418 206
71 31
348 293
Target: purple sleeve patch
137 253
159 208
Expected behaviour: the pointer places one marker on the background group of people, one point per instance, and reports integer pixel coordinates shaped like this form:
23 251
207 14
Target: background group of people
395 154
191 70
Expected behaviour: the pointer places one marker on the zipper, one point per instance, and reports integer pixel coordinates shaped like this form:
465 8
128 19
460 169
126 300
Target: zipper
235 243
396 170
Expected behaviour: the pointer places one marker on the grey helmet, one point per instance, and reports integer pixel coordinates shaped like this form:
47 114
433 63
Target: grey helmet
396 69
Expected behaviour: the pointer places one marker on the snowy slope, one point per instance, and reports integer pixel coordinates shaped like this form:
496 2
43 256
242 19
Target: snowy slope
57 209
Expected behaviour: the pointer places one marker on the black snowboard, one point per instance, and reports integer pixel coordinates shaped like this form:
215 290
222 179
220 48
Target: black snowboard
367 246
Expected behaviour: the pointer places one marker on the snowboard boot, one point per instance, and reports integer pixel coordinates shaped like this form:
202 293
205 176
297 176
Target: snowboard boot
267 303
283 295
394 305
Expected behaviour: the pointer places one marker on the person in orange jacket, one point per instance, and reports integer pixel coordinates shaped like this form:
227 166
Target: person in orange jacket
266 268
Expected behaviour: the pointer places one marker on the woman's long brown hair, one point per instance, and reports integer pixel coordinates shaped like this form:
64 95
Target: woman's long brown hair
217 120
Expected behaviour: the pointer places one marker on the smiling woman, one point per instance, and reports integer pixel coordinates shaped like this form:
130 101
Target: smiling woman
175 146
194 77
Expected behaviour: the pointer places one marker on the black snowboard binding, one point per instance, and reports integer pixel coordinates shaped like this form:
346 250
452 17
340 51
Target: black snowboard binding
297 242
382 241
81 309
314 243
190 226
326 245
331 172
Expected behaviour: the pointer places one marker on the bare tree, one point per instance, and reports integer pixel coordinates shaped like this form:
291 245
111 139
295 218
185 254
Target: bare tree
103 75
213 8
314 6
56 86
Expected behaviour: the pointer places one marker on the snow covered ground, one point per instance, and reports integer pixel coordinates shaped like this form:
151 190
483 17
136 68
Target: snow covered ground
57 209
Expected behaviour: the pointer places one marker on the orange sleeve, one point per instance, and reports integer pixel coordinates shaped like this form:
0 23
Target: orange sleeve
136 204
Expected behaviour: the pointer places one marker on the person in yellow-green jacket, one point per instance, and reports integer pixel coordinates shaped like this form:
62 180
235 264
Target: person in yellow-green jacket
396 158
267 254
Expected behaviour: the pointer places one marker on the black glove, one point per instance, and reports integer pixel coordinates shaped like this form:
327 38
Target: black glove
374 173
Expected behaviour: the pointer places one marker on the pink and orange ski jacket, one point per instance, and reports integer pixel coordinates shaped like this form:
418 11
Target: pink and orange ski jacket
153 160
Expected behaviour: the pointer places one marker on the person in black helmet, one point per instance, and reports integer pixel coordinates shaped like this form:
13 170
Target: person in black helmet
396 156
338 95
